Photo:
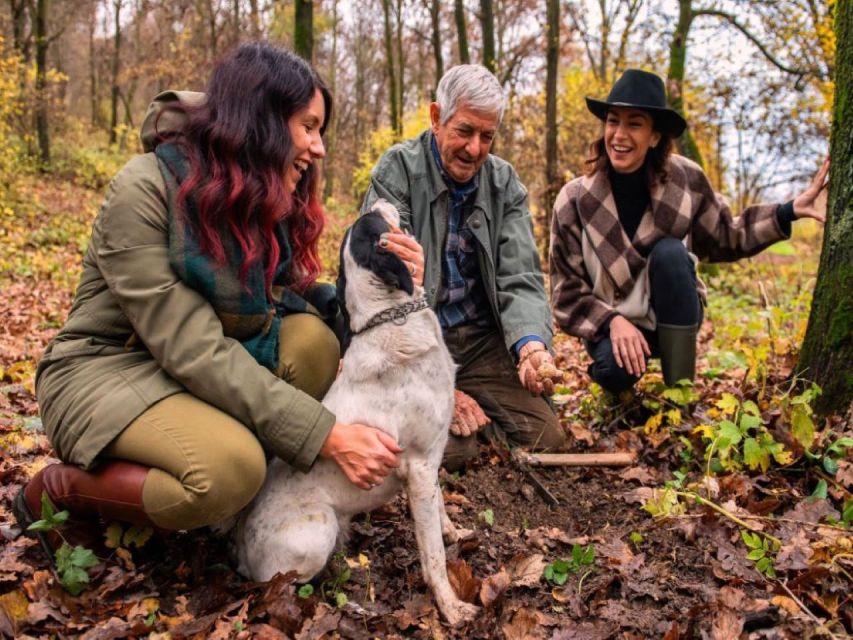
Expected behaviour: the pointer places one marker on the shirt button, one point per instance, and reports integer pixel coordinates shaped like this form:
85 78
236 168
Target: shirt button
476 224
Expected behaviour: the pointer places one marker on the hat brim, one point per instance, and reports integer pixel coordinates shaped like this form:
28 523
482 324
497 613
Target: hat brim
666 120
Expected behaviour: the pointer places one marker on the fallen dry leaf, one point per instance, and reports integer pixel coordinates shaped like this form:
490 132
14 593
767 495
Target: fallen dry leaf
462 580
493 588
526 571
524 625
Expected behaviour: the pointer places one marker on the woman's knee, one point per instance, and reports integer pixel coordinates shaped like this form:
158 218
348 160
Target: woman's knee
610 376
668 249
309 353
225 484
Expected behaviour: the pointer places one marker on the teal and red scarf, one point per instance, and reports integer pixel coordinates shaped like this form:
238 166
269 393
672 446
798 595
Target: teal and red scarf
247 313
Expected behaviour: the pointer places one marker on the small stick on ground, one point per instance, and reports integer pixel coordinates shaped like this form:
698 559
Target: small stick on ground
617 459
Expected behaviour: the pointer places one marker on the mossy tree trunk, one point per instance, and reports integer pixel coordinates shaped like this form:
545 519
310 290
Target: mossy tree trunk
303 28
827 354
675 76
552 56
461 31
487 23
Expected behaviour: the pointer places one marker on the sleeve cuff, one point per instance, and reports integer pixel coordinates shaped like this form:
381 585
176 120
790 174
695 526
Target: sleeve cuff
785 216
523 341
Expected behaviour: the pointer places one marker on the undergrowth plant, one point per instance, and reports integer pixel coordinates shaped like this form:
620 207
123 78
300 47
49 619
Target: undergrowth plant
740 438
559 570
71 562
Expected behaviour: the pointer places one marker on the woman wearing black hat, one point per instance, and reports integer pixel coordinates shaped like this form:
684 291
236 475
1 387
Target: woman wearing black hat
625 238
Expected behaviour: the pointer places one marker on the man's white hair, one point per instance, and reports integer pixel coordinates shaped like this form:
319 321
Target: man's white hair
472 86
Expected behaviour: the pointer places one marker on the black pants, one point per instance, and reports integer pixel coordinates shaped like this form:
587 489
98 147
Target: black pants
675 300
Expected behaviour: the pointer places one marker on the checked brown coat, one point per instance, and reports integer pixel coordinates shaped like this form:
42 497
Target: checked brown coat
587 238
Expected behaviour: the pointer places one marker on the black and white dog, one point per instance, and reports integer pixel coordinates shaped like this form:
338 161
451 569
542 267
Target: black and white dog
397 376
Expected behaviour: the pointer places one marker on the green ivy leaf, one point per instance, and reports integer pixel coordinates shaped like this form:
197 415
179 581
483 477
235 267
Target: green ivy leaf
488 517
755 554
820 491
751 408
830 465
802 426
754 455
728 404
341 599
729 432
305 590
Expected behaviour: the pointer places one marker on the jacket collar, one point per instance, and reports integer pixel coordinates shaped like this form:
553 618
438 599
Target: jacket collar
622 258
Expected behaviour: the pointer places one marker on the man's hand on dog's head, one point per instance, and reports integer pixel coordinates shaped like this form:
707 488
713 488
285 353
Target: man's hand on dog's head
468 417
408 250
366 455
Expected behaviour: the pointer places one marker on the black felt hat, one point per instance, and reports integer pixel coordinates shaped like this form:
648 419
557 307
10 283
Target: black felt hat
641 90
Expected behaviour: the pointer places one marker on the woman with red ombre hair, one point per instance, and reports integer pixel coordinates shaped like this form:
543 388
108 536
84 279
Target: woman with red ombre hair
198 340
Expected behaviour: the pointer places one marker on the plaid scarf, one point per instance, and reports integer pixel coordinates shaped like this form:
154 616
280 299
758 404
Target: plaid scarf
684 207
247 313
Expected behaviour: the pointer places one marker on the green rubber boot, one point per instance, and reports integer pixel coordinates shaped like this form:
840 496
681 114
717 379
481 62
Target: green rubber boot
677 352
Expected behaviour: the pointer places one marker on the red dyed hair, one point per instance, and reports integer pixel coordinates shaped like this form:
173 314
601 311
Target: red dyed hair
239 146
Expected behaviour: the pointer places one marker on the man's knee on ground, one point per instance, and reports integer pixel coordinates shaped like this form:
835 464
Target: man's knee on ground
458 452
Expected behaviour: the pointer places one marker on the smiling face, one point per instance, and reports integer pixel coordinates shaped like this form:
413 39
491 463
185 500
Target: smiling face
307 142
464 140
628 136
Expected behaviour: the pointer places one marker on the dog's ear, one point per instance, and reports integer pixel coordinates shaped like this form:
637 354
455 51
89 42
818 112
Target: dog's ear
365 250
341 286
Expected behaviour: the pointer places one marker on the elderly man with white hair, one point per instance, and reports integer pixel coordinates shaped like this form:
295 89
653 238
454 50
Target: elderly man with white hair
481 270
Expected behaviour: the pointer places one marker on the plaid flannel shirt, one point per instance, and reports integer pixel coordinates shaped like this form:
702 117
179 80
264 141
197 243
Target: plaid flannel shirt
462 298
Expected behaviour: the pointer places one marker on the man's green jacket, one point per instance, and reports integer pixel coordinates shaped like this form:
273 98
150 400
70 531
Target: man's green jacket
407 177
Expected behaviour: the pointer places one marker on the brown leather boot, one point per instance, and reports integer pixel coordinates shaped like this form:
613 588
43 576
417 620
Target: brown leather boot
113 491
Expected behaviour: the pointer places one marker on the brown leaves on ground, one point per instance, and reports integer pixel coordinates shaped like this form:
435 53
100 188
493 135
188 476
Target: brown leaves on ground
677 577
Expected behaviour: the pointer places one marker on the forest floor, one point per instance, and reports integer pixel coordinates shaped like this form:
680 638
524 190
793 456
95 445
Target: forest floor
734 521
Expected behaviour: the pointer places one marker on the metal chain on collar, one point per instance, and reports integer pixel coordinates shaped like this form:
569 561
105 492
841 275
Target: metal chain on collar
397 315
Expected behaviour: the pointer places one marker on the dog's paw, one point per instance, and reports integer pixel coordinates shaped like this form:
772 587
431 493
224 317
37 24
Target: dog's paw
459 612
456 534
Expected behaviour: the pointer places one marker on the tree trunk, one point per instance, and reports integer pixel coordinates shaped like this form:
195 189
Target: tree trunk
93 68
461 31
42 124
303 28
487 22
827 354
435 15
255 18
401 66
552 54
332 132
114 97
675 77
19 14
389 67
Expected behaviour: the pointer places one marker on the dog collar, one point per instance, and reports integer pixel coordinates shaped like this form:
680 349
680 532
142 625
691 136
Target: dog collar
397 315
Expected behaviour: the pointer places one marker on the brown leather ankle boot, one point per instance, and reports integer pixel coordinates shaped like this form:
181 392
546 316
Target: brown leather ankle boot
113 491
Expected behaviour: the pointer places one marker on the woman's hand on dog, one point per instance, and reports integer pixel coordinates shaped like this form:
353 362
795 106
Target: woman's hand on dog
366 455
408 250
468 416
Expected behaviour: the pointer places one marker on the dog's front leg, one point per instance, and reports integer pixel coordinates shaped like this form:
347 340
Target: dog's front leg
427 508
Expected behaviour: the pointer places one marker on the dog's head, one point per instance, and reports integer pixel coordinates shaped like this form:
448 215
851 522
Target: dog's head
369 274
